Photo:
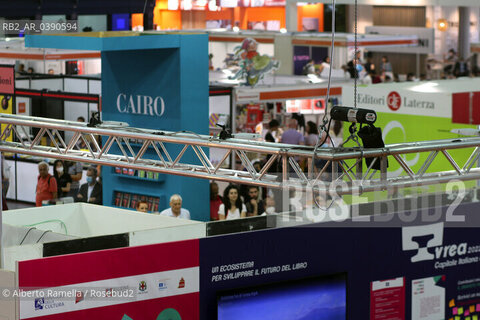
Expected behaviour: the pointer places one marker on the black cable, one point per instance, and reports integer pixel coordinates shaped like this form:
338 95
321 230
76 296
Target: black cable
145 6
43 235
26 234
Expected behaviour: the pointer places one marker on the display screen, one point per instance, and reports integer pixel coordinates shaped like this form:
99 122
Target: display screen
310 299
120 21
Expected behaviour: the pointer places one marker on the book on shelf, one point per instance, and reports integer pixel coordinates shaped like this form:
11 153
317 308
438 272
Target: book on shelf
118 199
134 201
126 200
150 202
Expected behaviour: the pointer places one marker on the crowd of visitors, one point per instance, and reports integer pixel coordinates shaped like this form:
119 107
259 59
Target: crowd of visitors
367 72
240 201
58 186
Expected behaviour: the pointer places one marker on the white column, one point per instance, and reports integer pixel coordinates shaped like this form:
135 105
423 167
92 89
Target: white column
463 32
291 15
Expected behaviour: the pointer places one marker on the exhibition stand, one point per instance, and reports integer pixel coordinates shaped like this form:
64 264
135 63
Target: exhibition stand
157 82
34 233
59 97
13 51
401 276
415 263
278 97
304 46
419 111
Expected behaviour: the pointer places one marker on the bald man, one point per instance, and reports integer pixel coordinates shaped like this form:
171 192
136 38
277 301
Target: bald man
292 136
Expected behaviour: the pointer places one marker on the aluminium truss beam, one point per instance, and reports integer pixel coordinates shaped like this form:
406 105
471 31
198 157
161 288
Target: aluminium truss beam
157 151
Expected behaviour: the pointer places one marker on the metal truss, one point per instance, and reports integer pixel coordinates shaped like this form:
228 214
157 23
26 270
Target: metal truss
157 151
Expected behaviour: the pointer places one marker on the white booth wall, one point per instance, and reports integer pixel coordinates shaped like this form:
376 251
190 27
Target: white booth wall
81 220
97 22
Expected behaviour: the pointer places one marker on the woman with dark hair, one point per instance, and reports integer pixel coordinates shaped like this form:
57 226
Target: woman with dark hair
311 136
232 206
64 180
336 135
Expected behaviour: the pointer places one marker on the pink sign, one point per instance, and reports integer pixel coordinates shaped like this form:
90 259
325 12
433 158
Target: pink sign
158 281
7 79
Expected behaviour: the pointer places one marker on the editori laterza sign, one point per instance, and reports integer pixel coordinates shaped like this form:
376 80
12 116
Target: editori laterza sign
140 104
394 101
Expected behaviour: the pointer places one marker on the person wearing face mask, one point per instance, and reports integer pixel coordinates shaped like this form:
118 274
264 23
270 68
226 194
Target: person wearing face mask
232 206
91 191
64 181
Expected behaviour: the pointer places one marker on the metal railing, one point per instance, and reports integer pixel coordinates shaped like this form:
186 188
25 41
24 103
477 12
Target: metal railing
339 165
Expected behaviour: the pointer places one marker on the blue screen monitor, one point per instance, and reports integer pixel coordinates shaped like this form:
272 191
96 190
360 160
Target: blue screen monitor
120 21
309 299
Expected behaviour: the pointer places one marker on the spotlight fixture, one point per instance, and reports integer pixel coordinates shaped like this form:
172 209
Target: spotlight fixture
371 136
355 115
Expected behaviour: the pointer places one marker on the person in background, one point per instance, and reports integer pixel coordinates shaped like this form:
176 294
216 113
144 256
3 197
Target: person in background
367 79
91 191
21 70
309 68
300 121
461 68
352 66
449 62
369 65
274 166
311 138
80 143
375 78
270 205
46 185
411 77
325 66
292 136
232 206
215 201
5 182
75 170
336 134
254 205
5 176
142 206
50 71
210 62
176 210
386 68
274 132
64 181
